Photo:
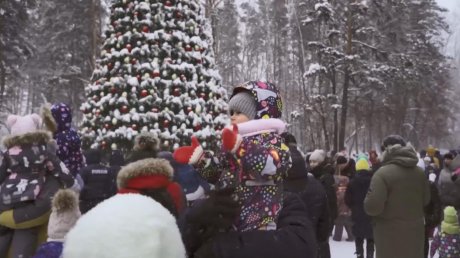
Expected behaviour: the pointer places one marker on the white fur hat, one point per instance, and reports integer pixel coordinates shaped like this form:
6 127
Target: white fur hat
125 225
64 215
318 156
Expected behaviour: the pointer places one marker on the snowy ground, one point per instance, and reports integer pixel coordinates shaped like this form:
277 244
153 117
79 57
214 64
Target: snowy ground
345 249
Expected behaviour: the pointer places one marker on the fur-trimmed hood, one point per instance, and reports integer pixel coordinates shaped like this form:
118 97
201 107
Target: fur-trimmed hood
125 225
47 118
144 167
146 141
38 137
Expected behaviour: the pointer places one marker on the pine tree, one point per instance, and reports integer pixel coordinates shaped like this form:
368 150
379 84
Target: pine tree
229 45
156 73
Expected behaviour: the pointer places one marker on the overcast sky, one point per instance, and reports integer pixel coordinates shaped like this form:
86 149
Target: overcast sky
451 4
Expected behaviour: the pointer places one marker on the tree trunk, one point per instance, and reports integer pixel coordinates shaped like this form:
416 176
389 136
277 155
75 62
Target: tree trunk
346 83
2 83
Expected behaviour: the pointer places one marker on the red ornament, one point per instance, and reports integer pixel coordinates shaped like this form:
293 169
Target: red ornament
156 73
118 34
136 14
129 47
139 77
168 3
183 78
113 90
202 95
95 98
124 109
145 28
134 126
188 48
197 127
98 112
176 92
107 126
166 123
104 144
110 66
133 61
189 109
155 110
144 93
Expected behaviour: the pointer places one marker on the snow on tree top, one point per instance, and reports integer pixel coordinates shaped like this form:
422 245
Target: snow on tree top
313 69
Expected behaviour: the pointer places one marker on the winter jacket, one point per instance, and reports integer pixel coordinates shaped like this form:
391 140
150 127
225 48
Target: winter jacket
36 213
354 198
433 211
52 249
100 183
24 168
294 237
449 191
193 185
68 141
325 174
447 245
342 185
259 164
311 192
397 196
350 169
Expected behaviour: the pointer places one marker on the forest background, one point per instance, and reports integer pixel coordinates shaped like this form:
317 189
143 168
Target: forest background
350 71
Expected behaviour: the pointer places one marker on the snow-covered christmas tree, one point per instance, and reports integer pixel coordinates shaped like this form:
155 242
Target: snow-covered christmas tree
156 73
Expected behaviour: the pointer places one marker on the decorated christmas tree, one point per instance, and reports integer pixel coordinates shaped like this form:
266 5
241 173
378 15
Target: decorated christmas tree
156 73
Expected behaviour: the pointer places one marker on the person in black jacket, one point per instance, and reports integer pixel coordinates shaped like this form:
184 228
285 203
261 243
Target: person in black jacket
354 198
293 238
433 212
100 182
323 171
146 145
116 161
311 193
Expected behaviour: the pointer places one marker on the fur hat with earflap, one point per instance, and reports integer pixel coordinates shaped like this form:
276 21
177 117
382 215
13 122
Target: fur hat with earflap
153 178
146 145
64 215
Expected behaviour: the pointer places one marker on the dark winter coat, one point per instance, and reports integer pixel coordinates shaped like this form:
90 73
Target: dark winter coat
449 191
397 196
350 169
36 213
294 238
433 211
354 198
325 174
311 192
100 182
68 140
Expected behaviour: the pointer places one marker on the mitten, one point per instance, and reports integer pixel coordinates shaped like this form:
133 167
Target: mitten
189 154
231 139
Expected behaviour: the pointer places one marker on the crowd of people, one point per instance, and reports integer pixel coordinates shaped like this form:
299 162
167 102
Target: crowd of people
259 196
